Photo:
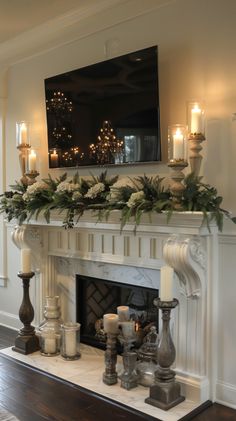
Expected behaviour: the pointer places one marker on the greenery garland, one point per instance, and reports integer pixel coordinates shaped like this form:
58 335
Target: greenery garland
102 194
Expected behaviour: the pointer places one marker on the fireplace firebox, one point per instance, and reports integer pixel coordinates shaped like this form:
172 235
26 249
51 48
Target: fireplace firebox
95 297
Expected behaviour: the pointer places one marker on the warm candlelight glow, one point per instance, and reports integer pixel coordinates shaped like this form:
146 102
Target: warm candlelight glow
54 159
178 145
196 116
22 132
32 161
137 326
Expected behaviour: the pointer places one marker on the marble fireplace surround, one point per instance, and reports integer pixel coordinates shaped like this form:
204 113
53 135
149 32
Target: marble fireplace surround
100 250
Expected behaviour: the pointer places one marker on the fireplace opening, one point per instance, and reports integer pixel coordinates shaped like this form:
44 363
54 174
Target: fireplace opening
96 297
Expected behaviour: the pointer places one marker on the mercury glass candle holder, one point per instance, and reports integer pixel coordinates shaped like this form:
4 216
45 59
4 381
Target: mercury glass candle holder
70 341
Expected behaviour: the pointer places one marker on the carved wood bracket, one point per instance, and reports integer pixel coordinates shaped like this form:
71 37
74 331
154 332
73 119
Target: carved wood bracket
187 256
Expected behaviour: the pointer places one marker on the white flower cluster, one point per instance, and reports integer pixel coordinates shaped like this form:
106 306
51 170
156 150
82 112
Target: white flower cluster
76 195
114 189
66 186
95 190
135 198
34 188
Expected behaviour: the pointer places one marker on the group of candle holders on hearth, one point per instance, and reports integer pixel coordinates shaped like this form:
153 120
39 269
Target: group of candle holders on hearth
56 337
149 365
139 365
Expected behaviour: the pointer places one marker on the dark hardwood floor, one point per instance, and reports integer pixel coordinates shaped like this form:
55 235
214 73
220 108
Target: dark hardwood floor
33 396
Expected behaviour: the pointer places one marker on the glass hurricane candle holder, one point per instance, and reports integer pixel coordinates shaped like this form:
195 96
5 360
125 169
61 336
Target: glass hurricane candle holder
196 118
22 135
49 342
177 143
70 341
31 166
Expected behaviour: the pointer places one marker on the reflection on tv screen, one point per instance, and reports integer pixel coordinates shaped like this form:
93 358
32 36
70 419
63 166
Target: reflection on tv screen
106 113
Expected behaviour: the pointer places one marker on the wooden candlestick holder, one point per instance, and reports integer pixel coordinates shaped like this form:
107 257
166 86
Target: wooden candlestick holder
26 341
195 158
177 188
165 393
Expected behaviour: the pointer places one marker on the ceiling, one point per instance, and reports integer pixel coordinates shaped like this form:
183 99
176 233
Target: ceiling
18 16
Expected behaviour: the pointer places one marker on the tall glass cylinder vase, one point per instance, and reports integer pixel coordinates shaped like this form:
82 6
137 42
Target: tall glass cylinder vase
70 341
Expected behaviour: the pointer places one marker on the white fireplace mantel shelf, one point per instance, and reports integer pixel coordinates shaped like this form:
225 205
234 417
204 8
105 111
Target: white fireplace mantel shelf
150 222
99 249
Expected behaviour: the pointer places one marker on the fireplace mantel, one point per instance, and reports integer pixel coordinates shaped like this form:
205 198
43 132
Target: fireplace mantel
184 243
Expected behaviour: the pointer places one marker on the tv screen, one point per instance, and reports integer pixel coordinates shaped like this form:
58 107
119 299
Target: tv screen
106 113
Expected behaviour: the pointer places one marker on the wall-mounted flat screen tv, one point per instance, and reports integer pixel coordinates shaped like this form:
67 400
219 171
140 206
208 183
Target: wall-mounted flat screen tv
105 113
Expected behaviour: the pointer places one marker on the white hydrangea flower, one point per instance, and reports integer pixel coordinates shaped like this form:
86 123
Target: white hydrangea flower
95 190
66 186
114 189
76 195
134 198
34 188
122 182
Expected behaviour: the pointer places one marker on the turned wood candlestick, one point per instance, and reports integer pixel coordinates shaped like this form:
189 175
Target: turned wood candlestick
195 147
165 393
177 188
26 341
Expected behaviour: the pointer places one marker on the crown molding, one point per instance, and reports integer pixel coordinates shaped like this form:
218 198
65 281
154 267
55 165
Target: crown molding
72 26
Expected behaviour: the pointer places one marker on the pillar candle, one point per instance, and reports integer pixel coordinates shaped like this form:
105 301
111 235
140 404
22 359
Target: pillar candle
54 159
50 345
25 260
128 329
110 323
23 134
178 145
196 118
32 161
123 313
70 343
166 285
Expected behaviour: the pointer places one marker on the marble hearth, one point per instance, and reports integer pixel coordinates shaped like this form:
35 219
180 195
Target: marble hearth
87 373
100 250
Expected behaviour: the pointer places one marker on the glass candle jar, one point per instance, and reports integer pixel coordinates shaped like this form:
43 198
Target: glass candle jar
70 341
196 118
177 143
22 134
49 342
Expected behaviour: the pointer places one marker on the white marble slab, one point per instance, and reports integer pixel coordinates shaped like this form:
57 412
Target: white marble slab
87 372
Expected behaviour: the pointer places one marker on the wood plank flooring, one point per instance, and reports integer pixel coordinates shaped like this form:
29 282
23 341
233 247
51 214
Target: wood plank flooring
33 396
